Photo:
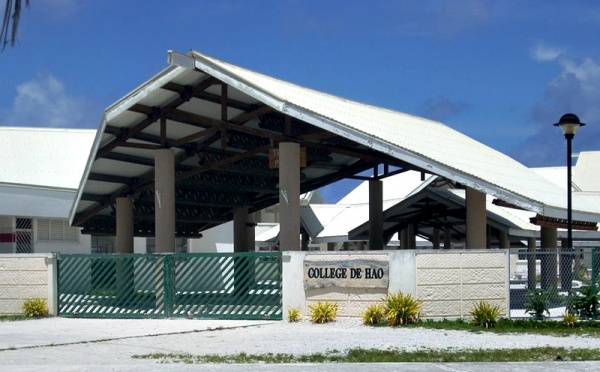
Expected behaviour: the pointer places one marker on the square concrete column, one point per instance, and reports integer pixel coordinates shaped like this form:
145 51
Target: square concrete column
375 215
503 238
476 219
531 263
164 200
404 238
435 238
124 238
447 237
251 232
548 259
566 266
240 231
289 196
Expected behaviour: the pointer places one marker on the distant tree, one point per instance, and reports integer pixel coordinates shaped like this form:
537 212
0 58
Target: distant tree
10 23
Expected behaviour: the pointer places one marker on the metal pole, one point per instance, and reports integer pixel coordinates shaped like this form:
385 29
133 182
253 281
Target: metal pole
566 261
569 205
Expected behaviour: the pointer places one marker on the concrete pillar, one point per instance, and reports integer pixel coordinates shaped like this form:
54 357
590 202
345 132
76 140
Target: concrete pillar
124 238
375 215
548 260
404 238
304 242
566 266
240 231
289 196
531 263
476 219
164 200
412 237
447 237
503 237
360 246
251 232
435 239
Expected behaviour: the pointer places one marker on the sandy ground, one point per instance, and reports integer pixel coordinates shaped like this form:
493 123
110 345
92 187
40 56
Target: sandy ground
62 343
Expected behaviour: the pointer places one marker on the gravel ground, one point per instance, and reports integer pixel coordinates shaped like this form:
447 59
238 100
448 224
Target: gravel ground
97 342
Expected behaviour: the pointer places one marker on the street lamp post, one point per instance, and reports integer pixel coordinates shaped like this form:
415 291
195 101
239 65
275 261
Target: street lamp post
569 123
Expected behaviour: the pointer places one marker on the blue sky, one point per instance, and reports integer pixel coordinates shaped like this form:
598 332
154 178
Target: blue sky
502 72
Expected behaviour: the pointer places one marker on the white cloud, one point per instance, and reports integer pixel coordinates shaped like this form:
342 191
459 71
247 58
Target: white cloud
575 89
45 102
541 52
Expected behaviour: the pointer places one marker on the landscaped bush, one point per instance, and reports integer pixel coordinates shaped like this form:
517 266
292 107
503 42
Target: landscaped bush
374 314
570 320
401 309
323 312
293 315
584 303
484 314
537 303
35 308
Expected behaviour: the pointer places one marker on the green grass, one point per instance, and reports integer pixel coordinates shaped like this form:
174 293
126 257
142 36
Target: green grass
12 318
389 356
554 328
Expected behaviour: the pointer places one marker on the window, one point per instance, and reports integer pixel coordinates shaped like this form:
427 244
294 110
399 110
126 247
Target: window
56 230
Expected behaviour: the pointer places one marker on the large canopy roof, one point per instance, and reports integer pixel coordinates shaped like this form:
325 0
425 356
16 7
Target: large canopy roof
222 121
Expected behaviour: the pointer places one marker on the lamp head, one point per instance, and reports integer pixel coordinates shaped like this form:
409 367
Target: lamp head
569 123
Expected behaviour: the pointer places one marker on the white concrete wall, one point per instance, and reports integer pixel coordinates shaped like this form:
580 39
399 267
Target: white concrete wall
218 239
27 276
450 282
82 245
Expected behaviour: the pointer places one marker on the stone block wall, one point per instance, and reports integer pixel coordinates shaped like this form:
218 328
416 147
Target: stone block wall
26 276
450 283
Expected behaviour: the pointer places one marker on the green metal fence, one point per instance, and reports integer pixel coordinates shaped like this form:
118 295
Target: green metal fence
193 285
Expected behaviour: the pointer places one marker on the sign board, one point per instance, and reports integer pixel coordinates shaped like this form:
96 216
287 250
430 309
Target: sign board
350 273
274 158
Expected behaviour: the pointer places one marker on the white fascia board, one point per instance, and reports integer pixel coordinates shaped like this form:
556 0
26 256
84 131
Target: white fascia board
210 68
88 168
521 233
401 154
141 92
331 239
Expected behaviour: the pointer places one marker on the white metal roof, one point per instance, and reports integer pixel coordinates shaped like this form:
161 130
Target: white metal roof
428 144
44 157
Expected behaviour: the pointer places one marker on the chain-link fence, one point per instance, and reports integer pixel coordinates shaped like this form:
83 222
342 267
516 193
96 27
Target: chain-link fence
549 282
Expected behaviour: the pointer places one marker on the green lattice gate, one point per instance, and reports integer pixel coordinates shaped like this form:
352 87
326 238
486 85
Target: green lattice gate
194 285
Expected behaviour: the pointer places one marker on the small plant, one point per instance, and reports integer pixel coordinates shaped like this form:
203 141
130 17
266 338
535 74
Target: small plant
35 308
293 314
401 309
484 314
323 312
374 314
570 320
584 303
537 303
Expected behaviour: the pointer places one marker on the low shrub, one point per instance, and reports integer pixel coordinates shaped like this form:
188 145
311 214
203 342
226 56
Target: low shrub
584 303
374 314
35 308
293 314
484 314
323 312
401 309
570 320
537 303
